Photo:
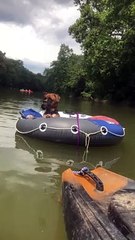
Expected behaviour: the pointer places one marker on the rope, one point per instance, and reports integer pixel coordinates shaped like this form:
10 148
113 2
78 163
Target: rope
35 129
27 144
87 138
55 128
87 135
85 156
27 132
38 153
118 135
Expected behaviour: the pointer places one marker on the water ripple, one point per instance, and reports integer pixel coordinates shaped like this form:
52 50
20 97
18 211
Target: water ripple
10 105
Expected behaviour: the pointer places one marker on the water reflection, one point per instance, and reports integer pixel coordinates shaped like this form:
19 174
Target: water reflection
51 157
30 169
29 200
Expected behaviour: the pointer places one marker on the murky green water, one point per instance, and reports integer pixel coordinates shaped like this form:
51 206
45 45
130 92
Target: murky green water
30 170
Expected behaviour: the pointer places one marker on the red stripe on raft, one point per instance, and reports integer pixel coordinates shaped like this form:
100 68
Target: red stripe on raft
108 119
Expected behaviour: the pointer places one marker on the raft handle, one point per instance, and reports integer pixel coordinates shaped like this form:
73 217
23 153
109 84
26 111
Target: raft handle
99 183
104 130
85 172
74 129
43 127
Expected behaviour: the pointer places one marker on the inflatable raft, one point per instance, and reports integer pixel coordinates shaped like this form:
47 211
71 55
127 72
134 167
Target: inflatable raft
77 129
98 204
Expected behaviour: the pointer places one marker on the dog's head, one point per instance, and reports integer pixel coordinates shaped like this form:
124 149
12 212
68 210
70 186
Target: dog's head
50 100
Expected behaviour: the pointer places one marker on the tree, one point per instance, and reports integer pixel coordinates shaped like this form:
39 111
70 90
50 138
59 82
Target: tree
57 75
67 74
106 33
14 75
76 75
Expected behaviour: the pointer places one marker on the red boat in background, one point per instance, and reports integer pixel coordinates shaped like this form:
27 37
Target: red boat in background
29 91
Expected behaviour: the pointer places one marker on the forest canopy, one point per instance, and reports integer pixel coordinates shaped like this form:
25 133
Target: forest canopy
106 70
14 75
106 33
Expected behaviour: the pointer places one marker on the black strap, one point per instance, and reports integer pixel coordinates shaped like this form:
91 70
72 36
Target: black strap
97 180
85 172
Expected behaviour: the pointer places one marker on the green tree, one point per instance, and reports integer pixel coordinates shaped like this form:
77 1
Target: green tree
57 75
3 68
67 74
14 75
106 33
76 75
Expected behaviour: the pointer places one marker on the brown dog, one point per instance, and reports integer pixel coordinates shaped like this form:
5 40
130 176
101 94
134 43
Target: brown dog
50 104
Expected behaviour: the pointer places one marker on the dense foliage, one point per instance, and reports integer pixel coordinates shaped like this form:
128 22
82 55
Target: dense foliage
106 33
66 74
14 75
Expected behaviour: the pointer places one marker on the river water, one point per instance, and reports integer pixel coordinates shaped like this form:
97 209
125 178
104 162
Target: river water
30 170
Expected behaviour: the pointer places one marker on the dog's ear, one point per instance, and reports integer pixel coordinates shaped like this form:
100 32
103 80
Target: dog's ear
54 97
57 97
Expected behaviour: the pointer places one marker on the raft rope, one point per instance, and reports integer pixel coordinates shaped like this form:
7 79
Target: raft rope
85 172
87 135
75 129
40 156
38 153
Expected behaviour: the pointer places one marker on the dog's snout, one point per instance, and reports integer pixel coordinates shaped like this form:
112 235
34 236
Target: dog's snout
43 106
46 104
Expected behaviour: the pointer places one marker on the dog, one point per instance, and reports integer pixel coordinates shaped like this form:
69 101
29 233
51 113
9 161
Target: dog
50 105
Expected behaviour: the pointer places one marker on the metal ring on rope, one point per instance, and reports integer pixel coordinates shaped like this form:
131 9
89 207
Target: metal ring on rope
104 130
74 129
43 127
